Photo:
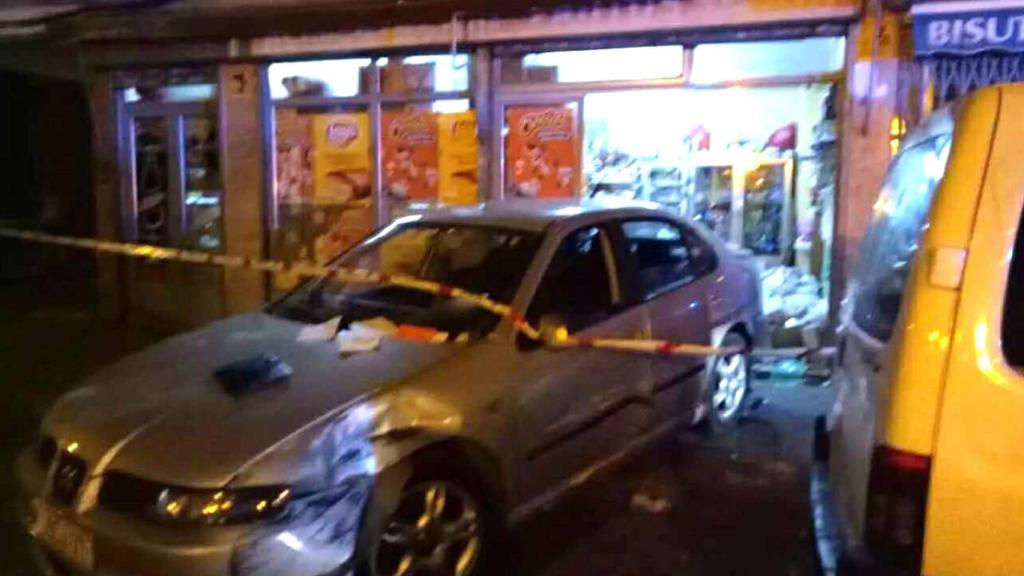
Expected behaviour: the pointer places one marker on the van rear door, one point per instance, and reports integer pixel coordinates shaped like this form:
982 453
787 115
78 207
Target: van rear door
975 522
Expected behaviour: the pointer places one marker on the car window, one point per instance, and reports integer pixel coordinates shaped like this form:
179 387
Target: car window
900 216
665 256
1013 307
577 286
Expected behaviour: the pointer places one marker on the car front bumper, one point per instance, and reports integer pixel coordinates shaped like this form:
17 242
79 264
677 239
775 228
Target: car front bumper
318 538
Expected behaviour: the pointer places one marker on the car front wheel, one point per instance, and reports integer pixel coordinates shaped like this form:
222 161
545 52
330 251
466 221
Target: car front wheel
439 528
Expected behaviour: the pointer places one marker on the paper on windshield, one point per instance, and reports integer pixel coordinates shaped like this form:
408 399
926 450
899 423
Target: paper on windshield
320 332
364 336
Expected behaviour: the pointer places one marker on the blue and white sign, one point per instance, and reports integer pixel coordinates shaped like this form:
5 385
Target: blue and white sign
968 27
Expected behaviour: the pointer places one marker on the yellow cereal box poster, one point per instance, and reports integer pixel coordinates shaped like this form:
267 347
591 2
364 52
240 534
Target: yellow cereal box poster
341 158
457 158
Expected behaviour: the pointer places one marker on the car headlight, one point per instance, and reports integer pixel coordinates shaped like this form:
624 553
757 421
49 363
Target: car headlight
221 506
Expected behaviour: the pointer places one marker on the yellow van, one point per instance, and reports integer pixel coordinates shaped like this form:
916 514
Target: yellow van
921 462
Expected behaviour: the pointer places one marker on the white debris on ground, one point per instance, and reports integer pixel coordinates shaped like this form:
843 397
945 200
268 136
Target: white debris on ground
791 299
648 503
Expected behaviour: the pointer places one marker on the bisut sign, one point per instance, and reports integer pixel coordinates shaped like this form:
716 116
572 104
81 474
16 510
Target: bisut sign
939 30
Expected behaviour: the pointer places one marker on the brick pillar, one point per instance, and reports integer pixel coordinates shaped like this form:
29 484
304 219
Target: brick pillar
242 169
106 192
870 103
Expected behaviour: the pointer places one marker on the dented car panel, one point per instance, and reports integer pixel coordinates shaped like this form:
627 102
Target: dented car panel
291 477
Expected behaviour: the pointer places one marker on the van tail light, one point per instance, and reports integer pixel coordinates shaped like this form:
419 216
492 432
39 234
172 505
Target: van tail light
897 500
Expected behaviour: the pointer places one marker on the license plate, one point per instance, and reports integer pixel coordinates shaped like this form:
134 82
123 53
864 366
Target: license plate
59 533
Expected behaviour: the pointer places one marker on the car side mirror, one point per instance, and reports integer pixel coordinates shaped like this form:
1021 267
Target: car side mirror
551 328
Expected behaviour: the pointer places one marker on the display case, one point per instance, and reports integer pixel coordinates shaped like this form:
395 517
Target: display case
745 198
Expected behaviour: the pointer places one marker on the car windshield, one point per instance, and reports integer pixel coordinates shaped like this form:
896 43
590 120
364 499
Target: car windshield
481 259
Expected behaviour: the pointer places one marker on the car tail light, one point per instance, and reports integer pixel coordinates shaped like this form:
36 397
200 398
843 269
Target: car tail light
897 500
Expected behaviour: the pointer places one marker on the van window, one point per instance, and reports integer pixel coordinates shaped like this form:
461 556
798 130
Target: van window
900 217
1013 307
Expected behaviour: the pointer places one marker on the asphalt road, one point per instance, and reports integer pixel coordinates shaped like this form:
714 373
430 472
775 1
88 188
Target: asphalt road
734 504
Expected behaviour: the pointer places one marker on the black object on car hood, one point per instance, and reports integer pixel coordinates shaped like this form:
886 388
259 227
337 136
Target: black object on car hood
161 414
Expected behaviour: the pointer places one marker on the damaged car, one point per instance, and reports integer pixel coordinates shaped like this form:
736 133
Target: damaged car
378 430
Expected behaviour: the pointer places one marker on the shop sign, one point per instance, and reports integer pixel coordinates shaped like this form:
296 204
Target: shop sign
938 30
542 151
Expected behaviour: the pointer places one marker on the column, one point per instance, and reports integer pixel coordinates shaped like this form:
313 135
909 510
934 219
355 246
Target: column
242 165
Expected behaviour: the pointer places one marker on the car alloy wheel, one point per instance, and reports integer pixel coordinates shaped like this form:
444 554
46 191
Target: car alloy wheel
730 386
435 531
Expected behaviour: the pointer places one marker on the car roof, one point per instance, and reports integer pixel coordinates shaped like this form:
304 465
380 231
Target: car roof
537 215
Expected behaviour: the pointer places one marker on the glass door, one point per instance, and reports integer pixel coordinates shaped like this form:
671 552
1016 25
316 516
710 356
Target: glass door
176 179
151 145
712 199
203 183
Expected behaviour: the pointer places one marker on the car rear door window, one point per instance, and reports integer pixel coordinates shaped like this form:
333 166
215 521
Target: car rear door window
665 256
578 287
894 234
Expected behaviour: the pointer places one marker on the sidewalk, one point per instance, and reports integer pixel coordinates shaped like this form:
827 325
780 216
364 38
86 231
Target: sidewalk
50 338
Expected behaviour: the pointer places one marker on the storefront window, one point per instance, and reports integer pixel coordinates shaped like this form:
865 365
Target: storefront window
326 156
176 93
327 78
322 181
428 156
713 63
639 63
418 74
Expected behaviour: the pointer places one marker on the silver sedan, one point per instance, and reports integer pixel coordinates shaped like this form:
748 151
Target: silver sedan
300 441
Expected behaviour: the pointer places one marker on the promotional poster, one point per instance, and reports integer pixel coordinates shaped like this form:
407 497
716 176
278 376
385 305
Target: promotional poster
341 157
409 149
458 166
542 151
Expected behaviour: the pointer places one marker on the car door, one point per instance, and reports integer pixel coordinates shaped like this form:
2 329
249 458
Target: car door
579 407
671 268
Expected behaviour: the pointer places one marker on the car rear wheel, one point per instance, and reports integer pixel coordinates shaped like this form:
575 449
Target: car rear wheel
729 384
442 526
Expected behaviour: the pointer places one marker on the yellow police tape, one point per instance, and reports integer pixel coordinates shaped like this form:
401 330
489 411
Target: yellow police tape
560 339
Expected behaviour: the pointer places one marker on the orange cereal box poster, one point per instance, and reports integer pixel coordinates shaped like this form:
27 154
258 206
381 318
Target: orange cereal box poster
542 151
409 148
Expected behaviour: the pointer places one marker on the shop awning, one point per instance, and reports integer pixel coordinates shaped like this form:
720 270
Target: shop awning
963 28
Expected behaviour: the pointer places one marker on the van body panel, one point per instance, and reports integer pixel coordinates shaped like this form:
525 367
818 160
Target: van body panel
975 520
889 389
920 345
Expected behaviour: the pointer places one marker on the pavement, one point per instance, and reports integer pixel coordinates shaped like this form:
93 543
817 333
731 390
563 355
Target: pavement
689 505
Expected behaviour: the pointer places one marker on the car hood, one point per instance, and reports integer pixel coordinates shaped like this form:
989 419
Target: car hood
162 415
